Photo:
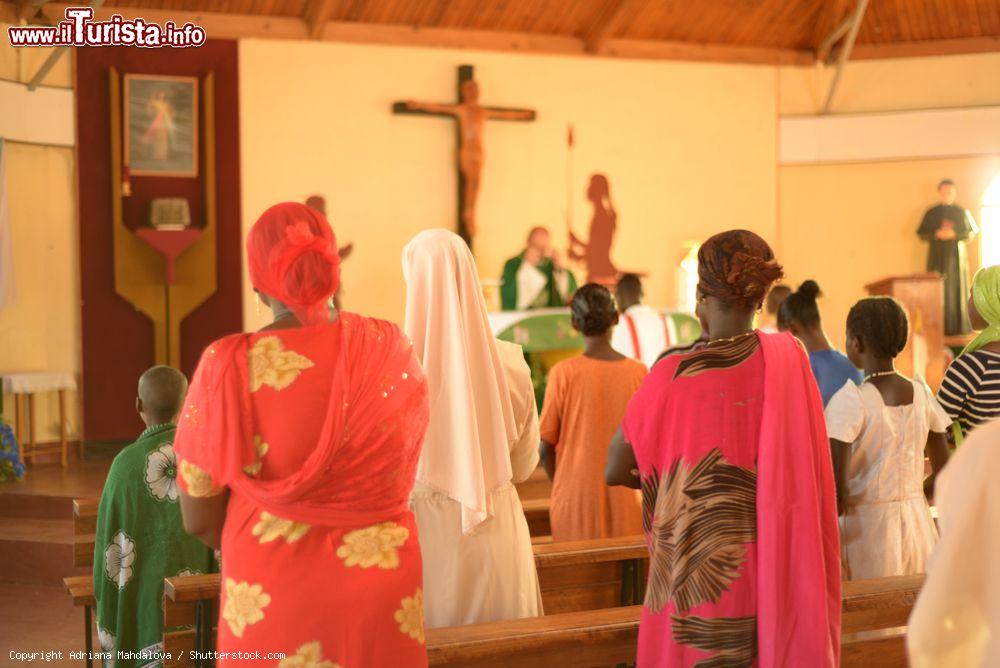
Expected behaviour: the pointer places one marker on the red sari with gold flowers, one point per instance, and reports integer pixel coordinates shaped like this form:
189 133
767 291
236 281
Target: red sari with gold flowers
316 433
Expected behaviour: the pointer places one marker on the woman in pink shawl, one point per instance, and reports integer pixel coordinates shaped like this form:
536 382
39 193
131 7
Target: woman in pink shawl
297 449
729 447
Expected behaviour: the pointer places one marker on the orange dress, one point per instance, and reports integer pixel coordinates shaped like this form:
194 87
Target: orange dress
584 405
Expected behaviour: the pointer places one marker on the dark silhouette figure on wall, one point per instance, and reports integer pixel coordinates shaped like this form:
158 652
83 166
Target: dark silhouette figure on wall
945 228
596 252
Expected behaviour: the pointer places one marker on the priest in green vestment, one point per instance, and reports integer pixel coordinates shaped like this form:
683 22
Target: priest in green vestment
140 535
535 278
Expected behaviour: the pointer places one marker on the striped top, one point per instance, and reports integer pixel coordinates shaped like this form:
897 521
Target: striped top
970 391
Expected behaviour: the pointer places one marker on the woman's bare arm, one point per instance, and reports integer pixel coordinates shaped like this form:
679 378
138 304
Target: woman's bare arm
205 516
937 451
547 453
841 453
622 469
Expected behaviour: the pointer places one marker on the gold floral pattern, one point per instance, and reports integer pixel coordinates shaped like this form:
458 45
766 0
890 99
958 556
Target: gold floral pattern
309 655
198 481
373 546
261 448
271 364
410 616
271 528
244 606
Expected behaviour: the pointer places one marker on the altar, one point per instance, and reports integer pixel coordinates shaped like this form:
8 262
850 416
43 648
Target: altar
547 337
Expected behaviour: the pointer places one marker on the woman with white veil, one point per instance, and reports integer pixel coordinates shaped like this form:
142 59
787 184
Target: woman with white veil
483 437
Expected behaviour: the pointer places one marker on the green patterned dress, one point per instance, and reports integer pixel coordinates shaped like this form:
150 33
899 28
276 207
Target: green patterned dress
140 541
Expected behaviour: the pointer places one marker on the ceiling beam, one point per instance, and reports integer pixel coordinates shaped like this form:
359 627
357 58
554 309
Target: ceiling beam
604 25
934 47
845 52
832 15
316 14
237 26
825 47
712 53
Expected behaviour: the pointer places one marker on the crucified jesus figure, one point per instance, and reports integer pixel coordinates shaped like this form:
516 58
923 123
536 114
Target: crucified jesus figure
471 118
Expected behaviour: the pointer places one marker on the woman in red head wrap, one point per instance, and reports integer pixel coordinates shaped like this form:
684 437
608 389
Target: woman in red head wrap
297 449
729 447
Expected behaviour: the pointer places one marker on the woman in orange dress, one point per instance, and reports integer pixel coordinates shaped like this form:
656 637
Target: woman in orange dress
297 450
585 401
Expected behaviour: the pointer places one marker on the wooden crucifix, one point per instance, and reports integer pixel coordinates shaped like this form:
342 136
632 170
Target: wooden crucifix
471 119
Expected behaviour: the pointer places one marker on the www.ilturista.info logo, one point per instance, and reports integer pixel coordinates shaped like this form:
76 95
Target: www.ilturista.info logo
79 29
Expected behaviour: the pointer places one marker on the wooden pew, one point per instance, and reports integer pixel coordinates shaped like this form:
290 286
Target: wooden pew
591 574
536 511
872 636
537 486
84 527
572 576
81 588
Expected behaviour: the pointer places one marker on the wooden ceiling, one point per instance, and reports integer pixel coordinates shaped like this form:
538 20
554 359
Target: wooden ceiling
777 31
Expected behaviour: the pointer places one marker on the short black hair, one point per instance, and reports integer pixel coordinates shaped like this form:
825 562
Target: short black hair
631 285
881 323
800 306
945 182
594 311
162 389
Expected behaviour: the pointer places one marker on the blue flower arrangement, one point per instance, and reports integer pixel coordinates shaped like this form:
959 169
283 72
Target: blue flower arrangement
11 467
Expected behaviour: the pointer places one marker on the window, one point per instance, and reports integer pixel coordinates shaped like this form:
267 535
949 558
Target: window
991 224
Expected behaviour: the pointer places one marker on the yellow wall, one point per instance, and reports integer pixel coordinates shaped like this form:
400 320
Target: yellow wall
846 225
689 150
849 225
894 85
40 329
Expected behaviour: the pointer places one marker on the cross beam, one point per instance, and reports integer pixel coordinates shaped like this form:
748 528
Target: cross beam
845 51
470 119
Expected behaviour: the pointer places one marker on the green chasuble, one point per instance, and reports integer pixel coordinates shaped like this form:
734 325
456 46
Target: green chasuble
548 296
141 540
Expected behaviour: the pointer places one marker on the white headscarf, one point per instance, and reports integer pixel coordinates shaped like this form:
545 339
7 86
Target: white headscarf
467 448
956 621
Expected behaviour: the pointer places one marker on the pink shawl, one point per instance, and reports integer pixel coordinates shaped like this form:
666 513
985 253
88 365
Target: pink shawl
798 544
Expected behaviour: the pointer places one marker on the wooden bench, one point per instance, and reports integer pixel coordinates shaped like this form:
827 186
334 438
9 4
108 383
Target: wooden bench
872 634
81 589
84 528
536 511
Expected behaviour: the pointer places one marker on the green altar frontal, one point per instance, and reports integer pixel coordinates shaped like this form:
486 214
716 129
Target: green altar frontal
547 337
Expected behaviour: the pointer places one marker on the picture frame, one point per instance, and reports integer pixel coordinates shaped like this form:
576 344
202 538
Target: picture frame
161 125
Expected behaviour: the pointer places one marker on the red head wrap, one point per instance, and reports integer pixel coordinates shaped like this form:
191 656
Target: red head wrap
737 267
292 254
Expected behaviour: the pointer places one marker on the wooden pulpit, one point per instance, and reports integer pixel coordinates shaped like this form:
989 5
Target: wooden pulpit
923 297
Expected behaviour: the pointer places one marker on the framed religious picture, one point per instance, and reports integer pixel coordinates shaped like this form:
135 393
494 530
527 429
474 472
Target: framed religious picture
161 125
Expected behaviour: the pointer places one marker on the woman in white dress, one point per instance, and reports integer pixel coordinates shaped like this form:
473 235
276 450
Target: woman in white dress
879 432
483 437
956 621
